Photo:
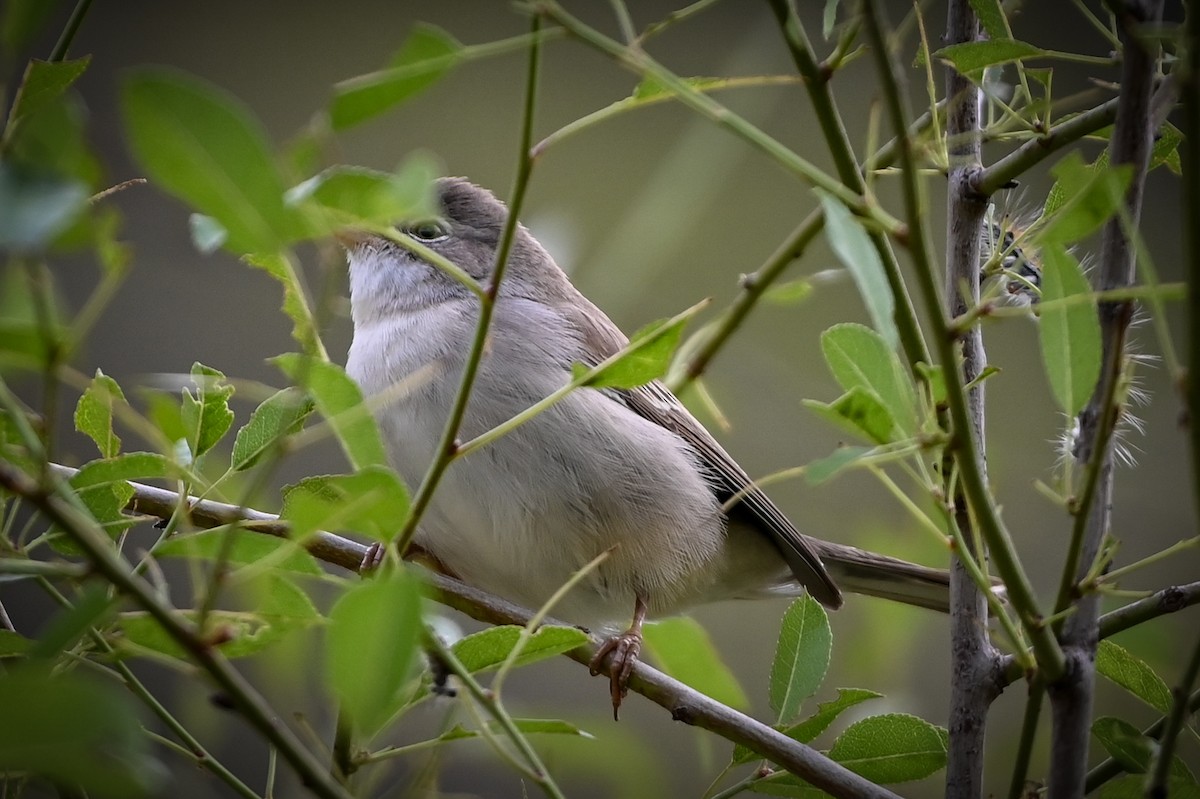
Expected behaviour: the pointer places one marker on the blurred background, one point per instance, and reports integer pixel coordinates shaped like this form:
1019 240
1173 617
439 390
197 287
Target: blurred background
649 213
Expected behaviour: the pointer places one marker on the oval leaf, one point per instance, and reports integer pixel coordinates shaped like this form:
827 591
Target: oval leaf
857 253
340 401
801 657
1133 674
372 638
204 147
280 415
94 413
891 748
859 357
489 648
684 650
1070 332
426 55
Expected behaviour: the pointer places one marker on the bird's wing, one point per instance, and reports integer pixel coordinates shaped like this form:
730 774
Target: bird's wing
655 402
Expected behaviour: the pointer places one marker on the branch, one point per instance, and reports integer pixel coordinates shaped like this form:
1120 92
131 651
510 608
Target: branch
816 83
448 445
99 551
1169 600
684 703
1072 694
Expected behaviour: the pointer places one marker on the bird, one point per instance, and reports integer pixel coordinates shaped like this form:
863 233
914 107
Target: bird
627 472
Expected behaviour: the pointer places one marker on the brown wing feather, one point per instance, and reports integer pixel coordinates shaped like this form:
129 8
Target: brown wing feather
656 403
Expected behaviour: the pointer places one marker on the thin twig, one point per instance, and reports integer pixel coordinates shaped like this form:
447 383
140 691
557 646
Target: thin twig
1172 725
448 446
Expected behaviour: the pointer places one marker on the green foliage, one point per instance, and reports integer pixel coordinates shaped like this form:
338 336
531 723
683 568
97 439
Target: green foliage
340 401
207 149
827 712
646 359
801 657
425 57
857 253
891 748
372 501
684 650
38 206
205 413
45 82
279 416
76 730
371 644
1117 664
973 58
284 608
94 413
1081 200
489 648
882 402
1070 332
349 195
240 547
304 327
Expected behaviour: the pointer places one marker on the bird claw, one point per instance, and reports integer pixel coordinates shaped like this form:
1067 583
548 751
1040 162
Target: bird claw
624 649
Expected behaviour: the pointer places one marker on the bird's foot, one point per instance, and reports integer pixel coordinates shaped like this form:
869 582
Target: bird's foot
624 649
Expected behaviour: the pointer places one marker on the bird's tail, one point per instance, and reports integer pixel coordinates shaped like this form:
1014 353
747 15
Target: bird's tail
861 572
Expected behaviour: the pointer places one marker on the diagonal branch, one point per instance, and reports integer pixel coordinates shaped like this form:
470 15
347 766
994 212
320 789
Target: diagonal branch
685 704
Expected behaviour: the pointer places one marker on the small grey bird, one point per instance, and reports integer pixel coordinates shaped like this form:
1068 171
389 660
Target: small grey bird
630 472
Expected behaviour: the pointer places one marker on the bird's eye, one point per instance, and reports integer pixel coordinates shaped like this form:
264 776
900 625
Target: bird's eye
428 231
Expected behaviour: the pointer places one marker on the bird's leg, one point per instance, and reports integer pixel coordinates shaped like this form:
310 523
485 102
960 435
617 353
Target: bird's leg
624 649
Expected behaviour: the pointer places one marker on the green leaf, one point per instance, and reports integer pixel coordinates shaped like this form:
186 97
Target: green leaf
860 413
279 416
13 644
236 633
295 306
807 730
891 748
356 194
38 206
801 657
974 57
685 651
1166 149
1125 743
51 140
854 249
370 646
43 83
245 549
1133 674
206 148
94 413
372 502
206 415
426 55
1082 199
76 730
340 402
130 466
648 358
1070 333
859 357
833 464
489 648
991 17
